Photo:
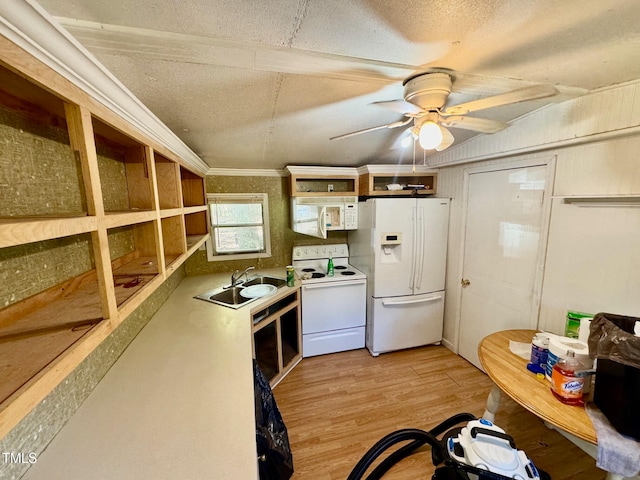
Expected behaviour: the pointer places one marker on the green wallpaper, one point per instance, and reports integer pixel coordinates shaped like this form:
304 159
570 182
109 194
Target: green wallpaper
113 178
29 269
283 238
39 173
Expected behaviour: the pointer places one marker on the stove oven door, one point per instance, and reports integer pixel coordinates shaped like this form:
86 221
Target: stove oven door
333 316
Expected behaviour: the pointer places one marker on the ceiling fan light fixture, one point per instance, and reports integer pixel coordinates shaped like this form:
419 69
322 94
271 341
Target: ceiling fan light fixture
430 135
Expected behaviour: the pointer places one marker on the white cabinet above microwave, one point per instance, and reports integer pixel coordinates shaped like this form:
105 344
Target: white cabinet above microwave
315 216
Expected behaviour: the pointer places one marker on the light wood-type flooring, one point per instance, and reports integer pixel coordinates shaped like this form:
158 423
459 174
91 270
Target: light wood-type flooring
337 406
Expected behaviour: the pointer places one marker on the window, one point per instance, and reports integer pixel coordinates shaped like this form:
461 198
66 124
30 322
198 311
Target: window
239 226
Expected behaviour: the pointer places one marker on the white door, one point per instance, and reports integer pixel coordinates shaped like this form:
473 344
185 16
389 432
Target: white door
394 246
503 230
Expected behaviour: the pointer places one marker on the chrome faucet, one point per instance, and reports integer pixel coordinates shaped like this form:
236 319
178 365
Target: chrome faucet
235 278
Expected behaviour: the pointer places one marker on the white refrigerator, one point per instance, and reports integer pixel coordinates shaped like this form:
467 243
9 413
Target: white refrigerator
401 244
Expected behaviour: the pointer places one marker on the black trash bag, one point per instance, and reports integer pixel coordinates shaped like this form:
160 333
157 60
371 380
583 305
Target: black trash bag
612 337
275 461
617 386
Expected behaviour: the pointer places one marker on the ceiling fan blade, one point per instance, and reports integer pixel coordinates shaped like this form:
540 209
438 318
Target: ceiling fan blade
515 96
483 125
447 139
400 123
400 106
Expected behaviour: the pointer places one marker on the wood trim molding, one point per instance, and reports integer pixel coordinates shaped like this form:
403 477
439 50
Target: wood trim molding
245 172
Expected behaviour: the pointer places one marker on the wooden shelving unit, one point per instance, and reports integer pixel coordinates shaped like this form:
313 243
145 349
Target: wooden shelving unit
195 209
323 181
375 178
128 210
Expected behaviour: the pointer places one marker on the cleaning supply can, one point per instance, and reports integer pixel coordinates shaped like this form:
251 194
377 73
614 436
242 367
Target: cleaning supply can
566 385
290 276
539 353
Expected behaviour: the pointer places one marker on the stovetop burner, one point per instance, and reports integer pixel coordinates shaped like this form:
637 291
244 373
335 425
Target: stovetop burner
310 263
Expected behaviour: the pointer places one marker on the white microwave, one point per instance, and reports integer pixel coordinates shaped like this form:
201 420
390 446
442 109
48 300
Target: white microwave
315 216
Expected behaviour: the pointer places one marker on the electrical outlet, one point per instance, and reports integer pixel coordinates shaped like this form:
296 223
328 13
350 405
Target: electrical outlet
330 187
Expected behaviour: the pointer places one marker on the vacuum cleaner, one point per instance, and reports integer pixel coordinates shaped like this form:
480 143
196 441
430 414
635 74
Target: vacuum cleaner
476 451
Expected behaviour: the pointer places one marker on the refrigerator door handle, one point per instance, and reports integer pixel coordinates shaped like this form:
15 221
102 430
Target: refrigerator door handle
414 242
420 259
415 300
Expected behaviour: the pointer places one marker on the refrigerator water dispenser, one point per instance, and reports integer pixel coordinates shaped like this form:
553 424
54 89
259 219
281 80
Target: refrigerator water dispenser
391 250
394 238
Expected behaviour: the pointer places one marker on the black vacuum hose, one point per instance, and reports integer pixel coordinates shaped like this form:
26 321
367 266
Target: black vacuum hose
420 436
417 437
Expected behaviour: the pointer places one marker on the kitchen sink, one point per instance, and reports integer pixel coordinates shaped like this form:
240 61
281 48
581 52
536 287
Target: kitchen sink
265 280
230 296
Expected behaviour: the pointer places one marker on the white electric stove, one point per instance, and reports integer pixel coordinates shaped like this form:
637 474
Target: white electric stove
333 308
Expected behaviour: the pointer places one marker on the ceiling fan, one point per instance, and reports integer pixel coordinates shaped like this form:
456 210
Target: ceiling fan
429 120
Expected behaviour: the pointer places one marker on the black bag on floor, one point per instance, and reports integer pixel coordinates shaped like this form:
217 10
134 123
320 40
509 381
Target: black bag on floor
275 461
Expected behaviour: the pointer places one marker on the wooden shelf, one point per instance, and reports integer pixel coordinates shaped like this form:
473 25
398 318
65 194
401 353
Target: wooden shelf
195 241
36 330
124 169
173 238
120 219
193 190
196 223
22 357
323 181
20 231
168 177
132 273
375 184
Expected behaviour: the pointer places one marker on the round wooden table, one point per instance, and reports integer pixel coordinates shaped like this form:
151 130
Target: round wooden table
509 372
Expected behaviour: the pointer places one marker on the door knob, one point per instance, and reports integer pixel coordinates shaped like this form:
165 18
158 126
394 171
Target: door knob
465 282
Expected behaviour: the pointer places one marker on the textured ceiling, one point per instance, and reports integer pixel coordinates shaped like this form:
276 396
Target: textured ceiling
264 84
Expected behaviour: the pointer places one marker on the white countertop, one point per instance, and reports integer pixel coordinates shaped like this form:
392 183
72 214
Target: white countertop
178 403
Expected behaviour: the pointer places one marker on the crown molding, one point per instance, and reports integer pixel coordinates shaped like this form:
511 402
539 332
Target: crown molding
317 170
245 172
395 169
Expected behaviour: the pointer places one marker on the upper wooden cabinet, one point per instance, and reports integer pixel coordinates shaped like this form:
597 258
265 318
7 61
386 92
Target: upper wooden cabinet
323 181
94 217
390 180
